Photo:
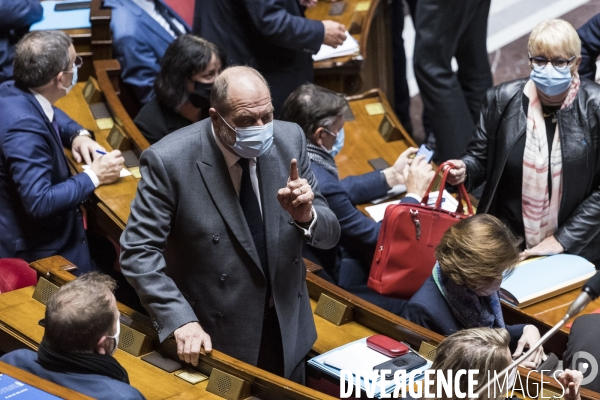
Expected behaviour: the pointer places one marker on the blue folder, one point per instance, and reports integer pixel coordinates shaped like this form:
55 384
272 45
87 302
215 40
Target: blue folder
54 20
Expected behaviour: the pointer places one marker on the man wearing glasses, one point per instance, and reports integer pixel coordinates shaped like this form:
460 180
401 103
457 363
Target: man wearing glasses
39 197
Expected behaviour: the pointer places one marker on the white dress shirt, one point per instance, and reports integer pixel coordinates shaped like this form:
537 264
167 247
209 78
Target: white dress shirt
49 111
235 171
150 8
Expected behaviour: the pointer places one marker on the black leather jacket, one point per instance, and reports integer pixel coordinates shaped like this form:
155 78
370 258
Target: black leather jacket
501 123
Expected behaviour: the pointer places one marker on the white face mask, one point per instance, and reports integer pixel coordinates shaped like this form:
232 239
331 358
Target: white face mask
115 337
73 81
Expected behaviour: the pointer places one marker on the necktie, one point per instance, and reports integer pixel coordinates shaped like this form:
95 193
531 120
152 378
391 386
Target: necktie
251 209
168 17
56 129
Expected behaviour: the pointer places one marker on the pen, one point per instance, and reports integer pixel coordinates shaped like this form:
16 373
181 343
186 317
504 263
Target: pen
100 152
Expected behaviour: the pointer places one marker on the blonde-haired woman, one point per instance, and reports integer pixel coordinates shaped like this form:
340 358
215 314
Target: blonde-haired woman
485 349
462 292
537 148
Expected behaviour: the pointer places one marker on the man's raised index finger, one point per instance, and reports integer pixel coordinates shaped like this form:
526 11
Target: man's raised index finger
293 170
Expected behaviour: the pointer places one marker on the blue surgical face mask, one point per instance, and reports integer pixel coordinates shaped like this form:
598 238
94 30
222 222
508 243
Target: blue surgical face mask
550 81
73 81
338 144
252 141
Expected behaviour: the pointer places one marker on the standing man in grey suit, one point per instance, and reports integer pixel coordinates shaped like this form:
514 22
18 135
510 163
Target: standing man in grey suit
213 245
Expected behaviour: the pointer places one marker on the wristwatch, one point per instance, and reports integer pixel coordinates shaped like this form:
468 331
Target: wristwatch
82 132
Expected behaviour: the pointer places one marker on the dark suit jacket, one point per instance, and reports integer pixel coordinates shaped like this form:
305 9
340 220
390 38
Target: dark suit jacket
15 18
139 42
189 254
156 121
94 385
270 35
589 34
429 308
39 198
359 232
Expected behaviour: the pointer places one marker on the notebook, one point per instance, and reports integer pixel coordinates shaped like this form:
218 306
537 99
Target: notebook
538 279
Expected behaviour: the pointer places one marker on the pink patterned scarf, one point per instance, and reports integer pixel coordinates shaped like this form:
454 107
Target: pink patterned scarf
540 211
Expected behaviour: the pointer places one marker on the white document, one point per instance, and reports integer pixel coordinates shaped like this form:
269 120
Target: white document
378 211
449 203
350 46
356 357
124 172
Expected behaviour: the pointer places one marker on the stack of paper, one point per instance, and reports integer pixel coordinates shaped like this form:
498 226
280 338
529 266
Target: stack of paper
349 47
377 212
356 356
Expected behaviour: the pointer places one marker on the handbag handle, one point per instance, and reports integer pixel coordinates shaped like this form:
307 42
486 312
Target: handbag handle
462 191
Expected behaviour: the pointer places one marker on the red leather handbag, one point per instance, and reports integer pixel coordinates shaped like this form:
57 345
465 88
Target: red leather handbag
409 233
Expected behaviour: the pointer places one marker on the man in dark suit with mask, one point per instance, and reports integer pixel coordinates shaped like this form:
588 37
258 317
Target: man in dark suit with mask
272 36
213 245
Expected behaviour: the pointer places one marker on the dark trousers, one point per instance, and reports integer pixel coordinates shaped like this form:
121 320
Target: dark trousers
451 101
270 355
401 93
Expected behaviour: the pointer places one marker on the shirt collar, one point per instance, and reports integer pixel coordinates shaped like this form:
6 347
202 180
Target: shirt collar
146 5
45 103
230 158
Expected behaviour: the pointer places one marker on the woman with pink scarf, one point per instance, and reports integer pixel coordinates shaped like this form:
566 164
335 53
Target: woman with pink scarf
537 149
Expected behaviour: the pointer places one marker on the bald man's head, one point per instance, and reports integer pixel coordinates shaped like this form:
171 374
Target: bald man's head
238 81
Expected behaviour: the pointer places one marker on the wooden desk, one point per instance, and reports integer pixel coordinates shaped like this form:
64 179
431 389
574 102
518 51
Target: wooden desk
363 141
19 316
39 383
372 66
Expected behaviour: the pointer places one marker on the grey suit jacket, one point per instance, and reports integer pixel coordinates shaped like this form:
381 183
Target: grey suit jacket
188 251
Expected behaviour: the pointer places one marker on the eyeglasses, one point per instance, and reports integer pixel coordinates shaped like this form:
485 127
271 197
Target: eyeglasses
331 133
78 63
559 64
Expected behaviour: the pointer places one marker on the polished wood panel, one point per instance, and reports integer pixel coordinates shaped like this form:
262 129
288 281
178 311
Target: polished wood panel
42 384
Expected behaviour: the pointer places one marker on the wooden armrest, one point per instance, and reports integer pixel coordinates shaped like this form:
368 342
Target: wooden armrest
55 268
312 267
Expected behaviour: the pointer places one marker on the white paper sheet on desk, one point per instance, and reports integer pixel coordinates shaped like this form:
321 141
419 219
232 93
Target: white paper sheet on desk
124 172
378 211
356 357
449 203
350 46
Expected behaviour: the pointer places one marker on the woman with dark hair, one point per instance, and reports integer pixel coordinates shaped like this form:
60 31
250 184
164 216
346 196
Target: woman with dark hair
319 112
188 70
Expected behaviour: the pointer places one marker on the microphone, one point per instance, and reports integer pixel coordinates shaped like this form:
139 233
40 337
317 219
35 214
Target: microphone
589 292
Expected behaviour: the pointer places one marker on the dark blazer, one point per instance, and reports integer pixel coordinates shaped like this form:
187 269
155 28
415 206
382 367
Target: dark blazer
503 121
39 198
97 386
270 35
429 308
189 254
139 42
359 233
589 34
15 18
156 121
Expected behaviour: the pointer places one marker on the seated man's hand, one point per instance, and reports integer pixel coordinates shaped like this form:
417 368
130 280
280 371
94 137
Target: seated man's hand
394 175
308 3
84 149
546 247
335 33
418 175
530 336
571 381
297 197
191 339
458 174
108 166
